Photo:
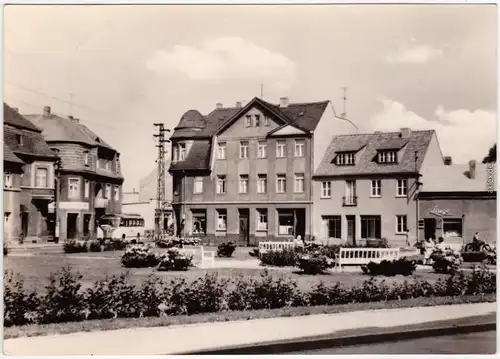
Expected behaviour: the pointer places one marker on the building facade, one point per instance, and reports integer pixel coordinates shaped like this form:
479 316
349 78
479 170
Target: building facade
244 173
28 179
367 184
90 180
457 201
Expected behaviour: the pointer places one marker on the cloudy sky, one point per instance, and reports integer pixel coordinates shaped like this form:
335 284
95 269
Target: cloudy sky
418 66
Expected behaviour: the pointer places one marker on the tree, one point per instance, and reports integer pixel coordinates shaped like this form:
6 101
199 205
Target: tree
492 155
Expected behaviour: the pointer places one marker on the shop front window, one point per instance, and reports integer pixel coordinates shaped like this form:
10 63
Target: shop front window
452 227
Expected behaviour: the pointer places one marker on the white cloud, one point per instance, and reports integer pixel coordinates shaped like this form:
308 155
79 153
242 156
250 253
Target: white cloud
420 54
462 134
225 58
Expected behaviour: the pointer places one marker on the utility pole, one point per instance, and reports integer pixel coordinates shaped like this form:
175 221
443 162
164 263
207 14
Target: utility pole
344 101
161 202
262 90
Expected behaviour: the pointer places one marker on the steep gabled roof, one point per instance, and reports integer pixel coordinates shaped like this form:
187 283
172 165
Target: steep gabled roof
369 145
14 118
59 129
9 156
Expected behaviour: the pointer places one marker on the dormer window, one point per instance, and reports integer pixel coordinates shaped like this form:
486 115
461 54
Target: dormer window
248 121
86 158
387 156
19 140
182 151
345 159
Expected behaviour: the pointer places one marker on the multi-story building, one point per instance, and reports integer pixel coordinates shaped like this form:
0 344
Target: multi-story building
458 200
90 181
244 173
28 179
366 185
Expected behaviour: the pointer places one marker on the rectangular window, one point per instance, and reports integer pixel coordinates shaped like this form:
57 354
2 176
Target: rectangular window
266 121
376 186
262 184
452 227
281 183
19 140
280 149
182 152
221 184
401 223
402 190
176 184
108 191
257 120
248 121
244 149
199 221
86 158
41 179
8 180
371 227
74 188
221 219
387 157
262 149
117 193
350 192
299 148
299 183
86 189
285 222
345 158
243 183
333 226
326 189
262 219
175 154
198 185
221 151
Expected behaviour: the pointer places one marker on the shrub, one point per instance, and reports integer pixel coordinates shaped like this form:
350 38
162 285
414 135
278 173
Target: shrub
94 246
314 262
175 260
474 256
226 249
390 268
74 246
63 301
284 258
446 261
5 249
20 307
139 256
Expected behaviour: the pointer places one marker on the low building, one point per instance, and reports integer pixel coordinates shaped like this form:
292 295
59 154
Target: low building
90 181
457 201
366 185
28 179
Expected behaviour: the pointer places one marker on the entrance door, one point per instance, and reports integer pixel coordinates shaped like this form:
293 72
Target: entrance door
244 233
430 228
86 224
351 229
71 225
24 223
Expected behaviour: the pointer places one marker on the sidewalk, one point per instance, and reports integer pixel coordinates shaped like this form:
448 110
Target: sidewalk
198 337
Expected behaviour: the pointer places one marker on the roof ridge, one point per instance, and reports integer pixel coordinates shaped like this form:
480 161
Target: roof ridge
377 134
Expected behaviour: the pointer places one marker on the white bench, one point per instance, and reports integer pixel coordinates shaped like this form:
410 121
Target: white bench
207 258
265 247
360 256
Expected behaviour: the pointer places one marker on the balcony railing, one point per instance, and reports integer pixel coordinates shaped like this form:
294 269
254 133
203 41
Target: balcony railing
101 203
349 201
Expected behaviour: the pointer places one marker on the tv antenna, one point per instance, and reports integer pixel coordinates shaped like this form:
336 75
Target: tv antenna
344 102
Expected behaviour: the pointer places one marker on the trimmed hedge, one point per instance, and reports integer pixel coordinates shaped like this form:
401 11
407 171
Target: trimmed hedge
115 297
390 268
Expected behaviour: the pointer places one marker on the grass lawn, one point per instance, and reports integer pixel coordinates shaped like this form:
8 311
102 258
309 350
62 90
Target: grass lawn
95 266
112 324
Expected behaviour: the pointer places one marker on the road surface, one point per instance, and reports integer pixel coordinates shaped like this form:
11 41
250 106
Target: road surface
473 343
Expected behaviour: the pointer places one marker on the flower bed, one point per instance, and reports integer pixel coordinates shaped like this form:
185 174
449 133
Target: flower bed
139 256
314 262
175 260
446 261
401 266
115 296
170 241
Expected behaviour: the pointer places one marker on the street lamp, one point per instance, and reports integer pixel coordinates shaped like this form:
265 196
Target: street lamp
57 171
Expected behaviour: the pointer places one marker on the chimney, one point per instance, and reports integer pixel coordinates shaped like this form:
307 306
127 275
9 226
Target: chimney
284 102
15 109
447 161
472 169
238 104
405 132
218 105
46 110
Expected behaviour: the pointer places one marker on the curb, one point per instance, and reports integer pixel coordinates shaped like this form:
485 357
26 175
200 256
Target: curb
324 342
